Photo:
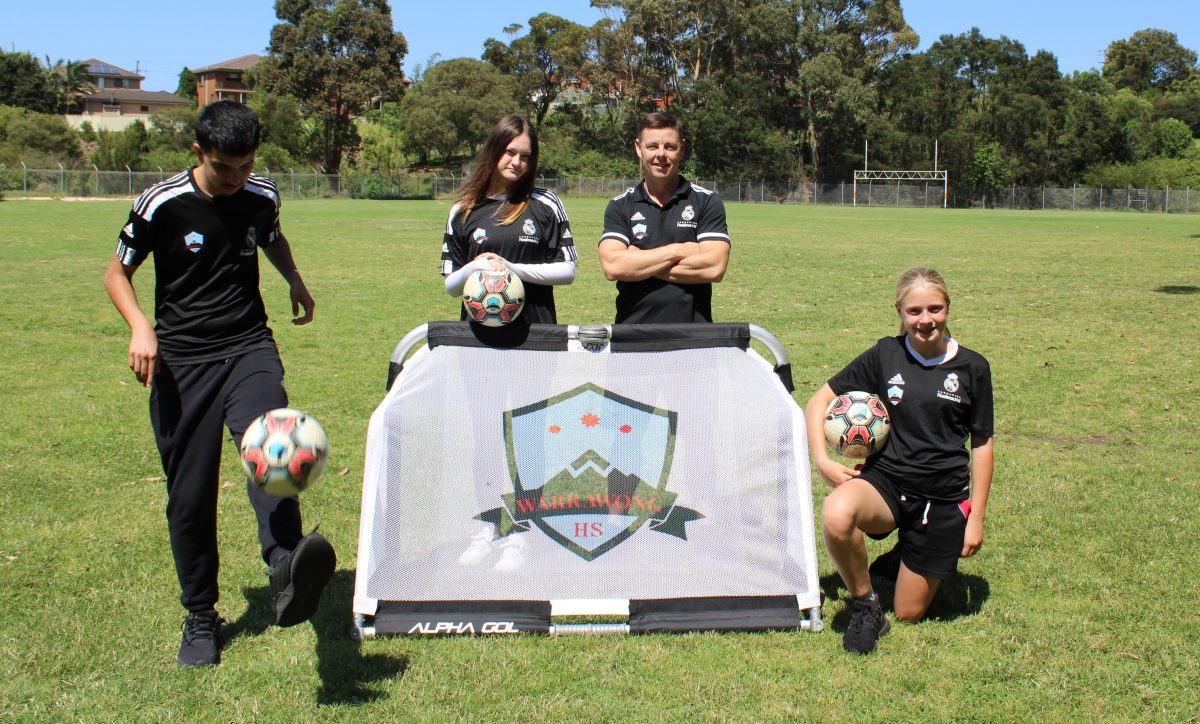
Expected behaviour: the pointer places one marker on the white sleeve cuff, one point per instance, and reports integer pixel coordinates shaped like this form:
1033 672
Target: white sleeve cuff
556 272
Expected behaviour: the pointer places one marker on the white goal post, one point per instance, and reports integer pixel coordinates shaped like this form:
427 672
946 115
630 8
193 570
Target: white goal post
867 175
898 176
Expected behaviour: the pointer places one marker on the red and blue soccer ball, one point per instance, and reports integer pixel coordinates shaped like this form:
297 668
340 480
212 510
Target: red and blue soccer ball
284 452
493 298
857 424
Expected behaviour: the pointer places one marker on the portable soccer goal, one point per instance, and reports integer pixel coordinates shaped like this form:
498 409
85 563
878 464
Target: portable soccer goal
612 479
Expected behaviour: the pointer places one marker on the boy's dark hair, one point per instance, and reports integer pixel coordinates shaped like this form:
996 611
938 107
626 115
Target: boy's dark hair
228 127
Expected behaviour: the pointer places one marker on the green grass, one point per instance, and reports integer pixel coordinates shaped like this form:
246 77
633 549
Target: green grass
1082 604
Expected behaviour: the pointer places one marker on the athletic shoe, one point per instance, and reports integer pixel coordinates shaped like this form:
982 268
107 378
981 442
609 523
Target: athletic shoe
298 579
867 625
887 565
482 545
512 553
200 646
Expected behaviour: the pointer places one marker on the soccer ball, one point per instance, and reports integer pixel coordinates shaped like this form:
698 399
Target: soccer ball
493 298
284 451
857 424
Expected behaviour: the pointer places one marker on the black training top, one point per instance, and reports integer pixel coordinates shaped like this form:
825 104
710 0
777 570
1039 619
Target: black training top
207 304
541 236
934 409
693 213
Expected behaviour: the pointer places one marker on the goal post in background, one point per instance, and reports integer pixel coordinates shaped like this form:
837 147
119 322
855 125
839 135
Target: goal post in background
868 176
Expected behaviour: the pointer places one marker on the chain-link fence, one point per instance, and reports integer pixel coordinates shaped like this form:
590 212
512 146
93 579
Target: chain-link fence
62 181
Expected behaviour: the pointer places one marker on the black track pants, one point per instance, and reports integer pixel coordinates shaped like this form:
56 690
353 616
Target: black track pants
189 406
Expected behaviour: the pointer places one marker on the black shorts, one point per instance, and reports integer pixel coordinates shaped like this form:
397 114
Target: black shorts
930 531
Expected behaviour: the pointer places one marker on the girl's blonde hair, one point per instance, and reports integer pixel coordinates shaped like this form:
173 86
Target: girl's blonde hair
917 277
474 190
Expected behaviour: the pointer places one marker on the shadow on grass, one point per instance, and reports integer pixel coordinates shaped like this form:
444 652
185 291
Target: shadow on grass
1178 289
960 595
344 670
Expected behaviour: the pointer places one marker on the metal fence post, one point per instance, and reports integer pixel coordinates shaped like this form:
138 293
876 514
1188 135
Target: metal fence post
1043 198
1167 201
97 184
62 179
24 178
129 176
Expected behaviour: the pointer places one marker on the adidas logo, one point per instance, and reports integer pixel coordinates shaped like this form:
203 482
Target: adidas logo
637 216
897 380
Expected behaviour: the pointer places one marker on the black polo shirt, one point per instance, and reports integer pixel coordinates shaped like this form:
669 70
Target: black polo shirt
934 409
693 213
541 236
207 304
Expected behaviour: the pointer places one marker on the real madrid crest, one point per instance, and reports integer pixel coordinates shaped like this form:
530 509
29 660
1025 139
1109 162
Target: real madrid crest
689 213
529 228
951 382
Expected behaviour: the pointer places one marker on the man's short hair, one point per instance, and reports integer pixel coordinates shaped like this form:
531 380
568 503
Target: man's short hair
658 119
228 127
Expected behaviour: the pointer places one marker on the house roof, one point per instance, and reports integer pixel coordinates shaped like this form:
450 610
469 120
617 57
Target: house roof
243 63
141 96
99 67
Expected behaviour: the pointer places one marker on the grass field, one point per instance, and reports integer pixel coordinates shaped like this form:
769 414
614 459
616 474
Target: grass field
1081 606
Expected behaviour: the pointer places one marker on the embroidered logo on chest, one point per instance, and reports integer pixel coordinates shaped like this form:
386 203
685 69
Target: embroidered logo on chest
639 230
194 241
479 236
688 213
251 242
951 382
528 227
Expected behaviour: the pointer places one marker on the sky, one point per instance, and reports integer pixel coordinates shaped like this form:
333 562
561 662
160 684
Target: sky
158 39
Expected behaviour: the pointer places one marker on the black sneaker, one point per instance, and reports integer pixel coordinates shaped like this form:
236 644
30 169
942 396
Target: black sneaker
867 624
298 579
200 646
887 565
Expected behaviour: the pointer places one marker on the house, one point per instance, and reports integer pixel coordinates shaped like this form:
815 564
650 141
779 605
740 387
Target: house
118 98
224 81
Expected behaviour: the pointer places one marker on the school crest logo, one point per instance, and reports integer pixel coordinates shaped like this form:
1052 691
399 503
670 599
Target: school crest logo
251 242
688 213
529 228
479 236
589 469
895 394
639 230
194 241
951 382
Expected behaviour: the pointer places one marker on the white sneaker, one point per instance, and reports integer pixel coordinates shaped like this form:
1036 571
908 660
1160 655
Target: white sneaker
512 553
482 545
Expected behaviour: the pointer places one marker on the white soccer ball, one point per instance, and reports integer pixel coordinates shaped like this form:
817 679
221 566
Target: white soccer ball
493 298
284 452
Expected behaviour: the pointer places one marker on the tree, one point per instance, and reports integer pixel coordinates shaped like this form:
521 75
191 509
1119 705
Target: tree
187 84
43 135
843 48
337 57
71 83
988 170
281 121
456 105
25 84
1148 59
541 61
116 150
